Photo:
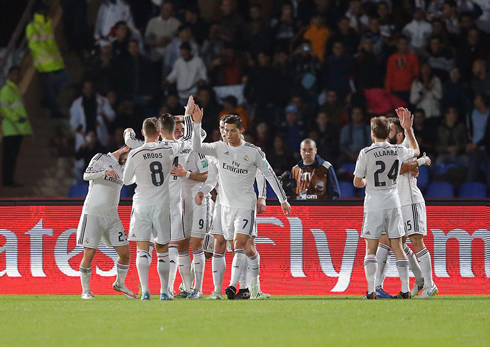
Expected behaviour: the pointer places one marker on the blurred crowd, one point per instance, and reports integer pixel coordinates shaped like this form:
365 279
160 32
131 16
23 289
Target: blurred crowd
292 69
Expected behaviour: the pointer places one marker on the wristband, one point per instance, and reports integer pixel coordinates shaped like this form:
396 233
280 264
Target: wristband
421 161
188 174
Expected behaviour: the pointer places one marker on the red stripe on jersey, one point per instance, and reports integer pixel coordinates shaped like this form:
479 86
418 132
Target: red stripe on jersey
148 149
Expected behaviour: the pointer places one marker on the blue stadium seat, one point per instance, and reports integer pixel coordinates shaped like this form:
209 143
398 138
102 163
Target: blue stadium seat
124 192
78 191
423 179
348 167
346 189
440 190
443 168
472 190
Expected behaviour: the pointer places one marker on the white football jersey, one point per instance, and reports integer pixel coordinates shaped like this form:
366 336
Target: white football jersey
407 185
176 183
380 164
237 168
196 163
103 191
149 166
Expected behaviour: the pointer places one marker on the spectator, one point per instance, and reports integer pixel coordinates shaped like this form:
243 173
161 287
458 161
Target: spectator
357 19
450 16
121 43
160 31
88 148
173 51
102 68
15 124
111 12
374 33
423 133
472 49
354 136
172 105
279 157
91 112
346 35
304 67
285 27
455 94
213 45
440 59
426 92
451 140
129 115
315 177
338 72
257 34
368 67
199 26
230 106
327 137
480 84
478 124
334 109
402 69
387 24
418 31
261 89
263 136
189 71
231 22
439 30
292 129
135 76
227 70
47 58
206 99
317 34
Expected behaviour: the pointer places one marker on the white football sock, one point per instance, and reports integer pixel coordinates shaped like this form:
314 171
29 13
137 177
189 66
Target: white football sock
426 267
219 267
122 271
254 268
143 267
238 266
402 267
151 247
185 269
193 271
414 264
382 256
370 268
163 267
173 257
199 265
243 278
85 278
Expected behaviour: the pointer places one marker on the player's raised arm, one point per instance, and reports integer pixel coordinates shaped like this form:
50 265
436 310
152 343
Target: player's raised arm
197 146
94 169
130 139
128 175
406 121
271 177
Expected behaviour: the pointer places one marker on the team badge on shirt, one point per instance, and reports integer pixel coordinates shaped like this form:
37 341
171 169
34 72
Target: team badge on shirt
245 158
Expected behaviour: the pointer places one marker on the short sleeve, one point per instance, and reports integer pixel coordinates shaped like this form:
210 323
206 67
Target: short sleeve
360 170
405 153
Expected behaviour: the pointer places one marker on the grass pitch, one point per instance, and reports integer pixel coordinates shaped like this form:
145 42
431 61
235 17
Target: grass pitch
112 320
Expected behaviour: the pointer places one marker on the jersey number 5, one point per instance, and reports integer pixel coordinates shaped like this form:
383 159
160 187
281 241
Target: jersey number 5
392 174
156 173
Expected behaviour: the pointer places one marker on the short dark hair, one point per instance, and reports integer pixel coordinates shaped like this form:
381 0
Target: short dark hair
483 97
398 126
224 118
234 119
167 122
151 127
380 127
14 68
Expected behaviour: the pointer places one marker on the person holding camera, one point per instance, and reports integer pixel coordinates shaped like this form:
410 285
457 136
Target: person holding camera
315 177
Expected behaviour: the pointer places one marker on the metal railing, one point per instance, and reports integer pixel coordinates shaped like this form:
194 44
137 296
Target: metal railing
16 47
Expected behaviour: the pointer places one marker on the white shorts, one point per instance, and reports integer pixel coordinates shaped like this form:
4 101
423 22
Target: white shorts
415 219
208 243
197 219
375 223
177 222
216 223
237 221
92 229
150 222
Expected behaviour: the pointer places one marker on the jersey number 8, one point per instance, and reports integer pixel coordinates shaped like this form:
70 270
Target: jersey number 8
156 173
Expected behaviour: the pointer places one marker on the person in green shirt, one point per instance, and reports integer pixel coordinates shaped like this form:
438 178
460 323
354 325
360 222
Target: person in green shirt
15 124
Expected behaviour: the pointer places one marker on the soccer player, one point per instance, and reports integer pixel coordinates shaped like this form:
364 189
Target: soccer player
377 169
100 219
149 166
238 162
415 221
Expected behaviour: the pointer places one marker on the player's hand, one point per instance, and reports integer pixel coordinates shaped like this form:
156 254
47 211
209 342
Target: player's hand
112 173
427 159
190 105
178 171
128 130
197 114
261 205
415 173
286 208
406 118
199 198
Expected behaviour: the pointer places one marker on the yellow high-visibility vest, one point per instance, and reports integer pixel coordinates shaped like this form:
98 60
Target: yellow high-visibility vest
13 112
45 52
